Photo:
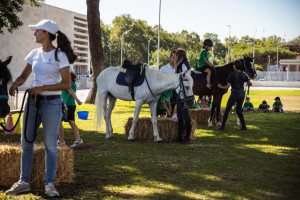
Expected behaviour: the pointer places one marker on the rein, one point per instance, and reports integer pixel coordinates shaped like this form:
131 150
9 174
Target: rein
36 116
8 130
150 88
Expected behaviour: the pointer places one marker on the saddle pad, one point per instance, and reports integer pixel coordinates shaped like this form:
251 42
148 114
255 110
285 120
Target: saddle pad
199 77
121 79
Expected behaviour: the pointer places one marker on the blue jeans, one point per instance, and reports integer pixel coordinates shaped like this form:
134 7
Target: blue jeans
50 115
236 96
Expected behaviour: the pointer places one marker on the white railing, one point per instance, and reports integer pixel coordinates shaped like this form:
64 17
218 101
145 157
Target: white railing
278 76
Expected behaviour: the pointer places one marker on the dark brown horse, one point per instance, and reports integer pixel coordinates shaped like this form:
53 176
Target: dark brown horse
5 78
219 76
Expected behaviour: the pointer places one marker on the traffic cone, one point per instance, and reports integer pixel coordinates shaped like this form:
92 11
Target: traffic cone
18 128
9 124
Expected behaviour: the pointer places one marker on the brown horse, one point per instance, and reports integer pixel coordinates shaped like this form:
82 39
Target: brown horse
219 75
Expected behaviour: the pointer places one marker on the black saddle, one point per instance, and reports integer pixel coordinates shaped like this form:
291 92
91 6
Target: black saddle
202 76
133 77
132 71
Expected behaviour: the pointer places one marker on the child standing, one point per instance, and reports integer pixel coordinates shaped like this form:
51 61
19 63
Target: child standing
277 105
69 98
248 106
204 64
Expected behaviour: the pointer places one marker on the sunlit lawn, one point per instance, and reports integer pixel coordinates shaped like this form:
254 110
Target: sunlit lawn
260 163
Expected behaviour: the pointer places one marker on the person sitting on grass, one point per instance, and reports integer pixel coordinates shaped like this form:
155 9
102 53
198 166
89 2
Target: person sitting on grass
234 108
248 106
277 105
264 107
164 105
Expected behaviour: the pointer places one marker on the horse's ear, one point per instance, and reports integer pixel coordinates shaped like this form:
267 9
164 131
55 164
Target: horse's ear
189 72
183 75
7 61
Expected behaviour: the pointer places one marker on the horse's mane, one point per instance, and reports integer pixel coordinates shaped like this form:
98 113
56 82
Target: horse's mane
5 74
223 72
161 76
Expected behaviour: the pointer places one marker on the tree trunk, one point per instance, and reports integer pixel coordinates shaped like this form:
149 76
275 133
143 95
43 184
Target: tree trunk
95 43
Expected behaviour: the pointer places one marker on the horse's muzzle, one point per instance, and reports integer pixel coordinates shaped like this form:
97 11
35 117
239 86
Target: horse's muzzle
253 76
190 101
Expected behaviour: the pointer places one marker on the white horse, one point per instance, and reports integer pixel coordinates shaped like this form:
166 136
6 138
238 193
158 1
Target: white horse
158 83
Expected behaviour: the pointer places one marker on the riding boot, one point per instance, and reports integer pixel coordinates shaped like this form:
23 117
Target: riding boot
243 124
180 131
187 136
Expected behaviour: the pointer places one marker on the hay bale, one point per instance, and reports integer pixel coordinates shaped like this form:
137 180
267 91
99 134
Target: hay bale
167 129
10 163
201 115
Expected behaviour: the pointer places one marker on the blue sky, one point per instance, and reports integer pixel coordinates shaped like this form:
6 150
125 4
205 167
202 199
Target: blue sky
268 17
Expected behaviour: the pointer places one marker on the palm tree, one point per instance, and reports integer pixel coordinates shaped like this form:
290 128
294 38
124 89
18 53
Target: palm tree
95 43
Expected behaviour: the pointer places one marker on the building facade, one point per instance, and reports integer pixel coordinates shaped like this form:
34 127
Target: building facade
19 43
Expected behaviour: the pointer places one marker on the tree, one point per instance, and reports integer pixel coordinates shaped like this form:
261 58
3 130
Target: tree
95 43
9 10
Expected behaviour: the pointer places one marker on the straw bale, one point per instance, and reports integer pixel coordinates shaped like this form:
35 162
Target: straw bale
10 163
167 129
201 115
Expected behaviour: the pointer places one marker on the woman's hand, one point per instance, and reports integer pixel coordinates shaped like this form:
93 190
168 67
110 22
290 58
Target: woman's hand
13 89
36 90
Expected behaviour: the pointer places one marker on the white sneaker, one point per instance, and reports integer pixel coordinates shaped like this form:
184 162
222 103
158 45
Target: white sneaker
18 187
50 190
77 143
60 143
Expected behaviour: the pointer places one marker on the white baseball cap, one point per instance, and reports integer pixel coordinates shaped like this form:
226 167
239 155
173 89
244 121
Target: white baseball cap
47 25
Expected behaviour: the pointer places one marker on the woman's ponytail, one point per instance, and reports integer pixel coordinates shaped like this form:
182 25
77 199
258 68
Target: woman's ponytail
64 44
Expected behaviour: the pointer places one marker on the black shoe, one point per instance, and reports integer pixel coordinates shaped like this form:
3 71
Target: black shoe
243 128
221 128
186 142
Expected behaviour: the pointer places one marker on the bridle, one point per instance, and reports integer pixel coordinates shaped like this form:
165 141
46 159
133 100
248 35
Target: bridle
182 90
246 70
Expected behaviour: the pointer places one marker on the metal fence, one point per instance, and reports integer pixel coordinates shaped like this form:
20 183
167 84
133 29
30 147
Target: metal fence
278 76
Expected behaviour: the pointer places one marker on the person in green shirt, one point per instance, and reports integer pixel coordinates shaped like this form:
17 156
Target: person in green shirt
164 105
248 106
69 97
204 64
264 107
277 105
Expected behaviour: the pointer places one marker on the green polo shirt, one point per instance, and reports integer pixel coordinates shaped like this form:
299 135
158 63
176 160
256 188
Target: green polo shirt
248 105
166 97
203 54
67 97
277 104
261 106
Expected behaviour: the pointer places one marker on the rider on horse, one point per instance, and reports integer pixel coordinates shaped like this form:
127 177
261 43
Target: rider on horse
204 64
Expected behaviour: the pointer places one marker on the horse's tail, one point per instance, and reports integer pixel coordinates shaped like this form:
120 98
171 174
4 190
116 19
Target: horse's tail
98 111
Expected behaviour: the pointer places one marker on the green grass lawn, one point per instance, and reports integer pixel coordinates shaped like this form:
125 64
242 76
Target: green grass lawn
260 163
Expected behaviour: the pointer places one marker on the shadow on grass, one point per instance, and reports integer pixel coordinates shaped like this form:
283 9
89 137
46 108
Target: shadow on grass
260 163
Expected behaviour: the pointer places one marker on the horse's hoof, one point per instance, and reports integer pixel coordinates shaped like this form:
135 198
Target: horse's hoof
131 140
159 141
109 138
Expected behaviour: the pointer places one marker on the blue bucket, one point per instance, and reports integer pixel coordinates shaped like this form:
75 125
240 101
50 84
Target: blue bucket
83 114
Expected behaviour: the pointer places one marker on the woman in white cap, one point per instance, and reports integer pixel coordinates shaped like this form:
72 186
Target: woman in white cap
49 64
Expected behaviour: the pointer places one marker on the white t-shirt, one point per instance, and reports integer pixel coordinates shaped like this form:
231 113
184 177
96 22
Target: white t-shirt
167 68
46 69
